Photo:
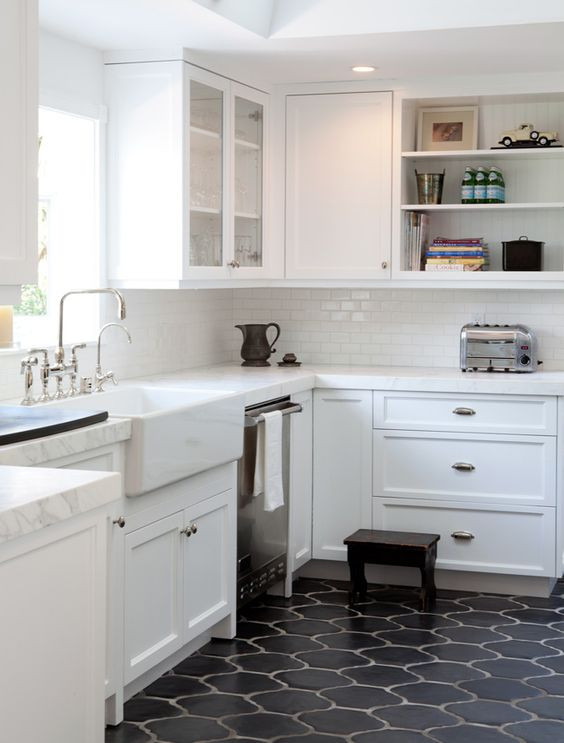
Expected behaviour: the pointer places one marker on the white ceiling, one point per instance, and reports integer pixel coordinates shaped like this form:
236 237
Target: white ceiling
301 40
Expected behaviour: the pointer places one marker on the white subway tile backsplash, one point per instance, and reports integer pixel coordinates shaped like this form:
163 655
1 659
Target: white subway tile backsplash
413 327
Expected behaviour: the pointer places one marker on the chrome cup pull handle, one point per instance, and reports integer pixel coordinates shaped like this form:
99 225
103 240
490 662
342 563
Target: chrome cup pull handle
463 467
464 411
464 535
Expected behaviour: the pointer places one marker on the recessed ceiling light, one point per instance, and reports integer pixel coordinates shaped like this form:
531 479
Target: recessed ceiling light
363 68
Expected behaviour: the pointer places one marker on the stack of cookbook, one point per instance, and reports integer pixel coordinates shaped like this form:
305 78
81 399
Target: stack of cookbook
416 237
460 254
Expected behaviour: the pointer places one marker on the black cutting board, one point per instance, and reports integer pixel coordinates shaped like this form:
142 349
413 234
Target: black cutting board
22 424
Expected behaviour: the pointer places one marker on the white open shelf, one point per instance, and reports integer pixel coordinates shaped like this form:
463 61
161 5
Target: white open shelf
519 153
481 207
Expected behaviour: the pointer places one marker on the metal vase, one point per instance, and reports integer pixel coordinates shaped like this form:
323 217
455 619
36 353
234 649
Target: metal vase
430 187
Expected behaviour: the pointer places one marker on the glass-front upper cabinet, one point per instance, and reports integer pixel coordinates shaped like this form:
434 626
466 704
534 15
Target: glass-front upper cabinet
249 112
207 173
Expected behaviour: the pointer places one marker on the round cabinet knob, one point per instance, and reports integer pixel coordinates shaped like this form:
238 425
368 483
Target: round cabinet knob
384 264
194 528
186 531
119 522
525 360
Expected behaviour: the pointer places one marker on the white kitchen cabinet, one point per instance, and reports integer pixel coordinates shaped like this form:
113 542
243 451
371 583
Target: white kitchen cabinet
338 185
153 594
186 176
342 469
301 483
180 579
18 143
53 637
209 557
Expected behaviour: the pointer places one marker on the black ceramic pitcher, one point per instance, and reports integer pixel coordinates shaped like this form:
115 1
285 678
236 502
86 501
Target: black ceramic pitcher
256 348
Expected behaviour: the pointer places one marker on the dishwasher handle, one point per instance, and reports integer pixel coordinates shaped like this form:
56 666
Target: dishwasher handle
286 408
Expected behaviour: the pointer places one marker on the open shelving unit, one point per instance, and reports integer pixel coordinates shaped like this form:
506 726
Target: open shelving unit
534 180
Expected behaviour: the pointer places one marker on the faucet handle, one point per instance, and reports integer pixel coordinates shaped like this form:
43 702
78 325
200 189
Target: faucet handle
27 362
45 353
112 377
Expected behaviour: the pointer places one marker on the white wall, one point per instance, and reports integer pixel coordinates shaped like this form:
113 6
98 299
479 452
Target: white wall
398 327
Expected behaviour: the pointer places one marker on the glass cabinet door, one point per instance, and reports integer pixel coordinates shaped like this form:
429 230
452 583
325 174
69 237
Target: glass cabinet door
248 182
206 174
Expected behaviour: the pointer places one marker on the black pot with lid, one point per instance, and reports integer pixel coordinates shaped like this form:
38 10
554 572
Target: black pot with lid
522 254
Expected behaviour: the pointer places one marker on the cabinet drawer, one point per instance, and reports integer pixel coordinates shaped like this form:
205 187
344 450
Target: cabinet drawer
471 467
520 541
515 414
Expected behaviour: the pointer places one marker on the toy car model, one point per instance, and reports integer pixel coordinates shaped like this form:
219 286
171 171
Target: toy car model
526 133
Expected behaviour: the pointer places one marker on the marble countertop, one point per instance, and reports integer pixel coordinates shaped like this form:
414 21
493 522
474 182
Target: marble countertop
33 498
260 384
48 448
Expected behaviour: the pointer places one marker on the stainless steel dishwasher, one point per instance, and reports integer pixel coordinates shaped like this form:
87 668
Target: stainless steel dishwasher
262 536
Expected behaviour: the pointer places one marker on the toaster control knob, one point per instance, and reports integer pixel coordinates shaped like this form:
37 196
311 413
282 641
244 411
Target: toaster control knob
525 360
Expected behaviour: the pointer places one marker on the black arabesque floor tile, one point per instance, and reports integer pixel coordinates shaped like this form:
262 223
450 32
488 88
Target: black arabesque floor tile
187 730
487 712
339 721
415 717
290 701
476 668
264 725
288 644
538 731
243 683
217 705
171 687
333 659
140 709
361 697
267 662
471 734
126 733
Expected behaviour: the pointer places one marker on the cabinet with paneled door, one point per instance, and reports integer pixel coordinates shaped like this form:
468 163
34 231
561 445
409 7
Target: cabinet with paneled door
187 151
179 580
18 147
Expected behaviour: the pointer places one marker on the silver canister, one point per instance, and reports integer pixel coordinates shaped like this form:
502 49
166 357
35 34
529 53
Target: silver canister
430 187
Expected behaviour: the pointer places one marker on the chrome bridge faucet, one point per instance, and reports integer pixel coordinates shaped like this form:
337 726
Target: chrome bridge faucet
61 368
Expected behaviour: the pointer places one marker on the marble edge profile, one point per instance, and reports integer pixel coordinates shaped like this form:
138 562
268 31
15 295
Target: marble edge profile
29 517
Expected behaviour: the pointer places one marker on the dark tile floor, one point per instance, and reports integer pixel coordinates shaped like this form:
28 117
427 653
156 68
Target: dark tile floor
478 669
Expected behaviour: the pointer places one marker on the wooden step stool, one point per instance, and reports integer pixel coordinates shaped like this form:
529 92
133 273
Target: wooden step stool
409 549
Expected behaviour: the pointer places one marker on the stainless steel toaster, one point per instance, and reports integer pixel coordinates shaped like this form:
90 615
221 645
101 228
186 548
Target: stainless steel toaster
509 348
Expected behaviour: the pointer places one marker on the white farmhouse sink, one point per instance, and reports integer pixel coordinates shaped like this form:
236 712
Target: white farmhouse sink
175 432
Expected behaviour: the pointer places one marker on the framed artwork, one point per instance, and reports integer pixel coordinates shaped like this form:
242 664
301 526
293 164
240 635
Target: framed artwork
450 128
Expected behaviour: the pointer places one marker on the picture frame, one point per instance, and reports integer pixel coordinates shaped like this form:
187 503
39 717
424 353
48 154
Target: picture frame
447 128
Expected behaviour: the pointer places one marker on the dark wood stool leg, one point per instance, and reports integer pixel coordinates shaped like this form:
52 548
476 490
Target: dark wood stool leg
358 579
428 588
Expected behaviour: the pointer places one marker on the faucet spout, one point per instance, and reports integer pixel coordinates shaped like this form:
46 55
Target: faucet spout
60 351
102 329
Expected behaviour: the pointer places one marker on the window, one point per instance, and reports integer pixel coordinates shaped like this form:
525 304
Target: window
69 255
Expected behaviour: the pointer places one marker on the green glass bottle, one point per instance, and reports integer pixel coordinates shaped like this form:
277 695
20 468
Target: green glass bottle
468 185
480 187
495 189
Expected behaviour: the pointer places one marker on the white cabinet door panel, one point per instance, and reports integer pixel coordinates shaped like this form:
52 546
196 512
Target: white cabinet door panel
18 142
506 469
301 482
342 469
338 185
153 594
209 563
519 541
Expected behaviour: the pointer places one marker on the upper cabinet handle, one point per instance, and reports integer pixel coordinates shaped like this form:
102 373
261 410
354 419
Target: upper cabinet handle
464 411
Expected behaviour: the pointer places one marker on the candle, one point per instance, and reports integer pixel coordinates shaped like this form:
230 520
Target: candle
6 326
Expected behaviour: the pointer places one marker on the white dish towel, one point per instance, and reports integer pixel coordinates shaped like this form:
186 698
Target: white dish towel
268 468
